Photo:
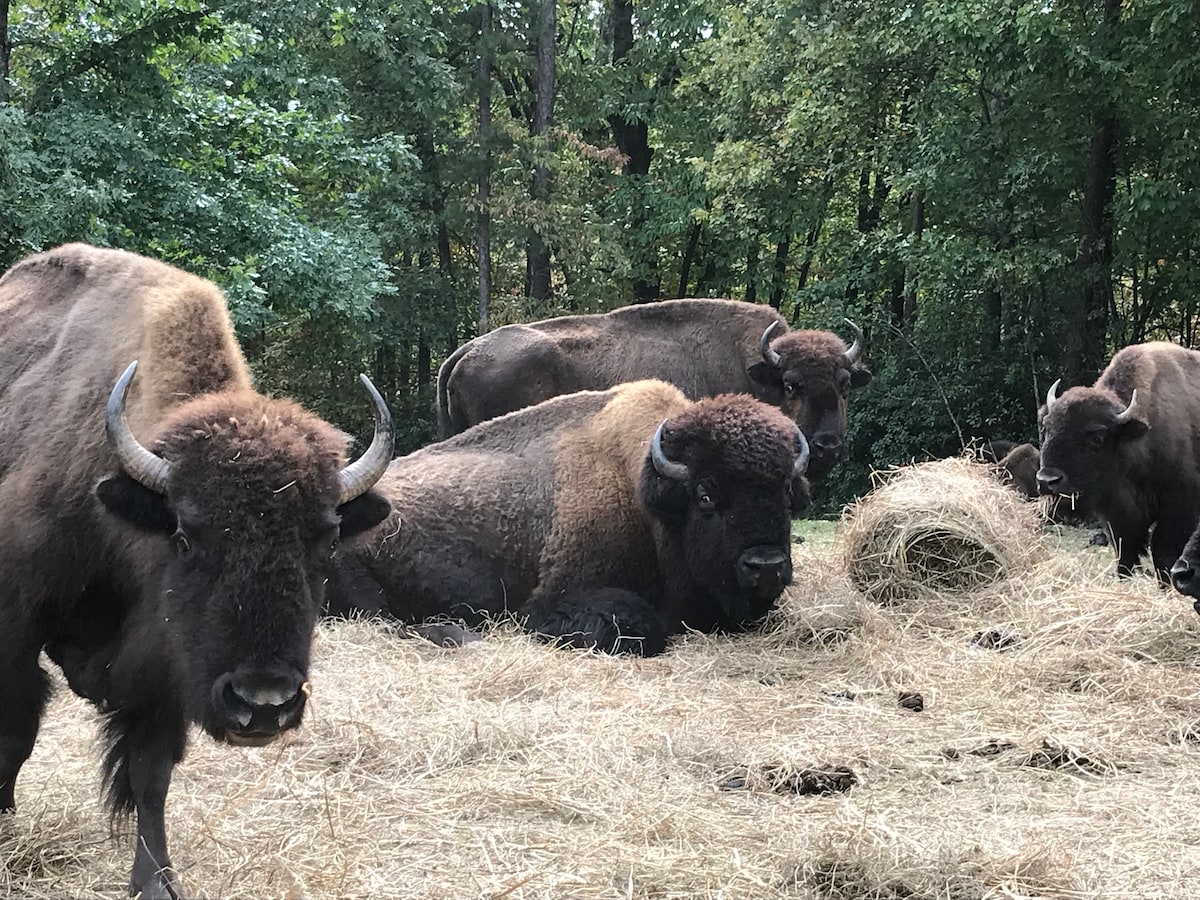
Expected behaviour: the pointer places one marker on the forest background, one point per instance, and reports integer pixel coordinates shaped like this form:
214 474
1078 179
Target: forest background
999 193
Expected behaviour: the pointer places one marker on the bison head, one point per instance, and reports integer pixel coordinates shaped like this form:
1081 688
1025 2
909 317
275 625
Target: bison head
1083 436
243 503
725 478
1185 574
809 375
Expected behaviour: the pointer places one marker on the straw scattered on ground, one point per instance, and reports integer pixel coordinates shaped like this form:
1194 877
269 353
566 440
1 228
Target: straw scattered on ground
1059 762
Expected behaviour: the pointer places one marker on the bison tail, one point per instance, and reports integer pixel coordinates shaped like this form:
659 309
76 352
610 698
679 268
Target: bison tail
445 422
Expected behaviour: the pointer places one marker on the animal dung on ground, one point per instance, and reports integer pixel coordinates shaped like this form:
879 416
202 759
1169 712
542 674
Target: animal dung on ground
785 780
911 700
941 527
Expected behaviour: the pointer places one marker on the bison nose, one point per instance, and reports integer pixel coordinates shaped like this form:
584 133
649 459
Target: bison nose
253 706
826 443
764 568
1049 481
1183 577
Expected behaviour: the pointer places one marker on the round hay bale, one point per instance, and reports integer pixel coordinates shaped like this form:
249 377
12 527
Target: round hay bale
944 527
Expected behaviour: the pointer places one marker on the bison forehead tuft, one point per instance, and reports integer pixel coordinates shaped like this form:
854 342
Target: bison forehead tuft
734 431
816 349
280 440
1084 406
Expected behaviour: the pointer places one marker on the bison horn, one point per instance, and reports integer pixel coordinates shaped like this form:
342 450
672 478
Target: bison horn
665 467
137 462
764 344
360 476
1052 396
1127 414
800 466
856 348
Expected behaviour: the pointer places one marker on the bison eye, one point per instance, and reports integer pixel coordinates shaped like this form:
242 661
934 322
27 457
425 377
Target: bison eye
790 388
181 543
704 500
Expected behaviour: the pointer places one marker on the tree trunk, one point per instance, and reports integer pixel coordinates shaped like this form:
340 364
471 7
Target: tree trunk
752 273
483 196
782 249
5 51
689 255
633 140
1087 316
910 273
537 277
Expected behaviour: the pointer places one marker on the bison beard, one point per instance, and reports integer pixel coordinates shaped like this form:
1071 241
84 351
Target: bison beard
608 520
172 584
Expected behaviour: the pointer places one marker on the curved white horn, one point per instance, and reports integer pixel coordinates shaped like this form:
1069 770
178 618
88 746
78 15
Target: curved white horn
138 463
1052 396
1126 414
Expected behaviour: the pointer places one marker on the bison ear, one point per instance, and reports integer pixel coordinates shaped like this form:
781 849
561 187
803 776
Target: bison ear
860 376
133 502
1134 428
665 498
765 373
363 512
801 495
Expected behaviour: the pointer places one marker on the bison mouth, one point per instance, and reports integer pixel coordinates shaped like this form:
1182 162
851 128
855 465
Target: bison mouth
247 739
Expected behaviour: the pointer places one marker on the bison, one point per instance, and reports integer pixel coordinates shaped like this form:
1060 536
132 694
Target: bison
703 347
1019 465
605 519
1184 572
1127 450
168 549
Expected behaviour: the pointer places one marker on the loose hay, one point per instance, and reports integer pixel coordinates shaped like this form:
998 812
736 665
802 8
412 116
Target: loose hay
940 527
510 770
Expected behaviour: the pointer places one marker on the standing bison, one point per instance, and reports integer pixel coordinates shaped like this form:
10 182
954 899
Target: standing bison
1128 449
601 519
703 347
169 550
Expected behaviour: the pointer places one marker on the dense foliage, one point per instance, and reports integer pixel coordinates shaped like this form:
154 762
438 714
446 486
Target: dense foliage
1000 193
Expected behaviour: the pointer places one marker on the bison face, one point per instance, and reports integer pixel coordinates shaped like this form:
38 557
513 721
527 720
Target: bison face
725 479
809 376
1084 434
240 515
1185 574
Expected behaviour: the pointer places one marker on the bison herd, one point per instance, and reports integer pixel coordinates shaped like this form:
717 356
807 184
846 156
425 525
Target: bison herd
607 481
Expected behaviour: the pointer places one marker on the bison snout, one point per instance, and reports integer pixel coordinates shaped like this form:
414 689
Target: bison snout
764 569
827 443
253 706
1183 577
1049 481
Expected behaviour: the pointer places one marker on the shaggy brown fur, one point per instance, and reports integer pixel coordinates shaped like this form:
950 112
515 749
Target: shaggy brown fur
1142 474
1020 466
563 500
156 607
703 347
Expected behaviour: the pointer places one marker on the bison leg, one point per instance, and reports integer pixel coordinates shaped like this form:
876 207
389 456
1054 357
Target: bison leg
145 746
607 619
24 690
1130 547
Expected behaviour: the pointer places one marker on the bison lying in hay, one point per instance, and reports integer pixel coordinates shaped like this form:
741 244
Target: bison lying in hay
944 527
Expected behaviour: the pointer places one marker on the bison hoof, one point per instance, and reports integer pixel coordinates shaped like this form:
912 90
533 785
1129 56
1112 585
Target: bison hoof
445 634
161 885
609 620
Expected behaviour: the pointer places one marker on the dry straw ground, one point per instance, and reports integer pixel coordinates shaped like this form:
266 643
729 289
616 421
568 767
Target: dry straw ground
1055 757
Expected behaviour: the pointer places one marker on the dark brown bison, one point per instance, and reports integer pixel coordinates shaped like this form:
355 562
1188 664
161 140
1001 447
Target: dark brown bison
1128 450
602 519
703 347
174 575
1185 573
1019 466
